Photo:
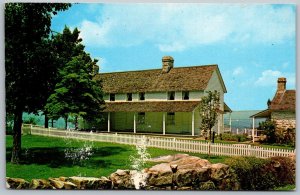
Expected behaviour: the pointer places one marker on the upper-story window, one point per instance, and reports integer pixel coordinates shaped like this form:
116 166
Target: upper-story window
185 95
171 95
129 96
142 96
112 97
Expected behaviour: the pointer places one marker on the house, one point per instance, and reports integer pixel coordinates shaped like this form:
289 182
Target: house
282 109
161 101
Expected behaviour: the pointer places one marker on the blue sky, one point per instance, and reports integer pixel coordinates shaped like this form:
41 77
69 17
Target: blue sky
253 44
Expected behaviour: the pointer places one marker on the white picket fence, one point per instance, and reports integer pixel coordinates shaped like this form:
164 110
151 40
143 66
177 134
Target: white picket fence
170 143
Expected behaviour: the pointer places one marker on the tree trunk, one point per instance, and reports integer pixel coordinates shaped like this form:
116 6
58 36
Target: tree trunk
52 123
46 121
16 150
66 122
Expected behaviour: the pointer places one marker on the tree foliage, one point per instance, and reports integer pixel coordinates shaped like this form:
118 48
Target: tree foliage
209 108
76 93
27 28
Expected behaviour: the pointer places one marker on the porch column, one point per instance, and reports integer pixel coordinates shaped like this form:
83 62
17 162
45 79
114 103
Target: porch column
193 123
164 123
108 122
134 123
253 121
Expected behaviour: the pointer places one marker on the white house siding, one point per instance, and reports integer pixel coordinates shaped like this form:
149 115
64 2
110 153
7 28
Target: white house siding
215 84
156 96
178 95
195 95
120 97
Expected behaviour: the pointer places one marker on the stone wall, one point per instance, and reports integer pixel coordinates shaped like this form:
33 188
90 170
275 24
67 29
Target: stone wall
284 120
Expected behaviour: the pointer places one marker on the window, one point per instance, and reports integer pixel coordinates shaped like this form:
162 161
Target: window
129 96
141 118
171 95
185 95
142 96
171 118
112 97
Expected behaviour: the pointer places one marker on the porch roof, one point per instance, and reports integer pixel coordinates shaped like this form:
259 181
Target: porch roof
151 106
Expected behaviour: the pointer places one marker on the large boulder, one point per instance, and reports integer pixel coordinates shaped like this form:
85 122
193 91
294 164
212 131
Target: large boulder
16 183
40 184
91 182
121 179
167 158
159 175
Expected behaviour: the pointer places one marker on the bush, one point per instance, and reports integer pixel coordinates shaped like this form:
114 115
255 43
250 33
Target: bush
262 174
233 137
269 130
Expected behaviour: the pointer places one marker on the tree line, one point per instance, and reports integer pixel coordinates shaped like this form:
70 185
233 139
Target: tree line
46 71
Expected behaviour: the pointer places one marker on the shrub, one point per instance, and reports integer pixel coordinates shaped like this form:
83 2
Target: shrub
262 174
269 130
233 137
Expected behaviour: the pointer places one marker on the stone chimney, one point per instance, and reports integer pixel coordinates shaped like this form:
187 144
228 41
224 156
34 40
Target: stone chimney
167 64
281 84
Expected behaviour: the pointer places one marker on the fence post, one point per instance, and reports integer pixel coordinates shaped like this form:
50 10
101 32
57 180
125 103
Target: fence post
249 150
174 143
30 128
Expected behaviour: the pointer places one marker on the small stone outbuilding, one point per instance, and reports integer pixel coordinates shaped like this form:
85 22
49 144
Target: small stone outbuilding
282 109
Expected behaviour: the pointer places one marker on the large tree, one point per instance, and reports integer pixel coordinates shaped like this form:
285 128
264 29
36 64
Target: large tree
63 46
76 93
27 28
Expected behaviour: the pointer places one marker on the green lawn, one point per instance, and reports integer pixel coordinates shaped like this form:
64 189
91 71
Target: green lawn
44 157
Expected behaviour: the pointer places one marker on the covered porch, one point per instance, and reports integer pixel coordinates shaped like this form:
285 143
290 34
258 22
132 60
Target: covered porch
159 117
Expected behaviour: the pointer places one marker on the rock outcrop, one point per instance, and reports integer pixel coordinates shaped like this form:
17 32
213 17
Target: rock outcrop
176 172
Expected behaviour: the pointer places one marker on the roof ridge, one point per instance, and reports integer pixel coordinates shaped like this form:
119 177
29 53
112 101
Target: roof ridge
180 67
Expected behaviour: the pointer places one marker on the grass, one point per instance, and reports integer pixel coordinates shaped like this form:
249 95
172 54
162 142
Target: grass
44 157
286 188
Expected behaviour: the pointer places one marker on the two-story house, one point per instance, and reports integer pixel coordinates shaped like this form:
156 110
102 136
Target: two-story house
162 101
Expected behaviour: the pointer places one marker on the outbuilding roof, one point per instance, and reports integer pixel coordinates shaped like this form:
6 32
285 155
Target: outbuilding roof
177 79
284 101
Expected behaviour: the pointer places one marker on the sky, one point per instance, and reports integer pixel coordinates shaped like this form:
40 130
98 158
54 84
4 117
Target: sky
253 44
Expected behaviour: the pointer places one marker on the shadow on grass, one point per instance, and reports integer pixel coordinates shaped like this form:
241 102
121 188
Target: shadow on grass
67 156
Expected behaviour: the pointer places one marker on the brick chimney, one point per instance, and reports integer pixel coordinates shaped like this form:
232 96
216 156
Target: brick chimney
167 64
281 84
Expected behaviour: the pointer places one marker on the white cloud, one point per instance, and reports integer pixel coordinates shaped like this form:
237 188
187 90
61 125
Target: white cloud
176 27
269 78
238 71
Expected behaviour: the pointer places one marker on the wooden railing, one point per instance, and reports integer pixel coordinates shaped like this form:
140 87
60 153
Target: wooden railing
170 143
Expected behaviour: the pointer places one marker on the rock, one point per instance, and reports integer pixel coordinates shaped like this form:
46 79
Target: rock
7 185
91 182
69 185
40 184
191 162
56 183
219 171
185 188
17 183
208 185
159 175
168 158
191 177
121 179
